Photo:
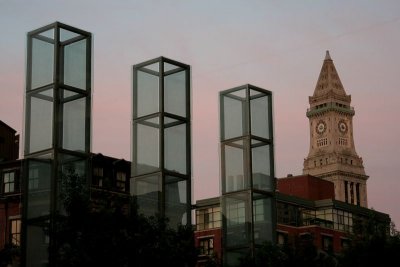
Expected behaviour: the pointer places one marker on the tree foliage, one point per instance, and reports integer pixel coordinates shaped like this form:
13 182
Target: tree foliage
304 254
112 233
373 244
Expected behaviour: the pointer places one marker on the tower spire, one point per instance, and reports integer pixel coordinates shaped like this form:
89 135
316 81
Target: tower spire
327 56
328 80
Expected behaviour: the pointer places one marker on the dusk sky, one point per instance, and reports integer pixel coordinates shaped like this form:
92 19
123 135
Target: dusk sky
275 45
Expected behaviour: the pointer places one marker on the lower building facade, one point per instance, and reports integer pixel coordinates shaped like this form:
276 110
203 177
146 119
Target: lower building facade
306 211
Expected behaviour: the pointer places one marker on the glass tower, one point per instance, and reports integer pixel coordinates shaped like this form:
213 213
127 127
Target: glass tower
247 171
161 140
57 131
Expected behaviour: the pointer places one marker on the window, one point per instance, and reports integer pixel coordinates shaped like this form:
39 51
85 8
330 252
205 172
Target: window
322 142
15 233
207 246
98 172
98 176
342 141
345 243
9 182
343 220
327 243
121 181
282 238
346 197
208 218
258 210
236 213
33 179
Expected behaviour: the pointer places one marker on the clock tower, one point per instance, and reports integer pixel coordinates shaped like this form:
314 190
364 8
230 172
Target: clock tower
332 154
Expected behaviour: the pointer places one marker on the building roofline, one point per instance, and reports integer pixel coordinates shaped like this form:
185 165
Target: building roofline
8 126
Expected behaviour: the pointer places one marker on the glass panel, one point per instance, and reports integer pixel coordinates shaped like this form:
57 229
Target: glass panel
241 93
260 117
74 128
235 257
48 34
234 116
175 93
66 35
75 64
175 201
261 167
39 185
168 122
255 93
175 148
153 67
72 179
168 67
146 154
262 218
147 94
42 63
235 177
148 192
40 123
237 223
37 246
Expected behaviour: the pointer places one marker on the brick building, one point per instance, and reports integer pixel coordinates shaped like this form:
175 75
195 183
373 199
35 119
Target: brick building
306 211
109 175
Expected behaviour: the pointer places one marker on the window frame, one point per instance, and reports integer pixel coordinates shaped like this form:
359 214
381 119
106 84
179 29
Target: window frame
206 245
15 236
9 182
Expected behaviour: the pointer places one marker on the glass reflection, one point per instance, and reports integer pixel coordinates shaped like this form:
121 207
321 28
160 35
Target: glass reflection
75 64
262 179
148 192
74 125
175 93
260 117
175 200
234 116
38 197
237 223
37 245
235 177
40 121
175 148
262 218
42 63
146 146
147 94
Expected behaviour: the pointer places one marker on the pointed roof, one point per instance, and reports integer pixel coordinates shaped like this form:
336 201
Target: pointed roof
328 81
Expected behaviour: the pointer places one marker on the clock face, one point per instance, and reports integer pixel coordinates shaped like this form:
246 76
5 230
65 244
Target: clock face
342 126
321 127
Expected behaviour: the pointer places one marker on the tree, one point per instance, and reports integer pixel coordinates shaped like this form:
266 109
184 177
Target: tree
373 244
93 234
304 254
10 256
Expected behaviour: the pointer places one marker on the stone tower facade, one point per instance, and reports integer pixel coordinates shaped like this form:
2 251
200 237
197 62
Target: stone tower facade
332 155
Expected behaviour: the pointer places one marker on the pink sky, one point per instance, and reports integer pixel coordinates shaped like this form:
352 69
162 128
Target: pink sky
276 45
